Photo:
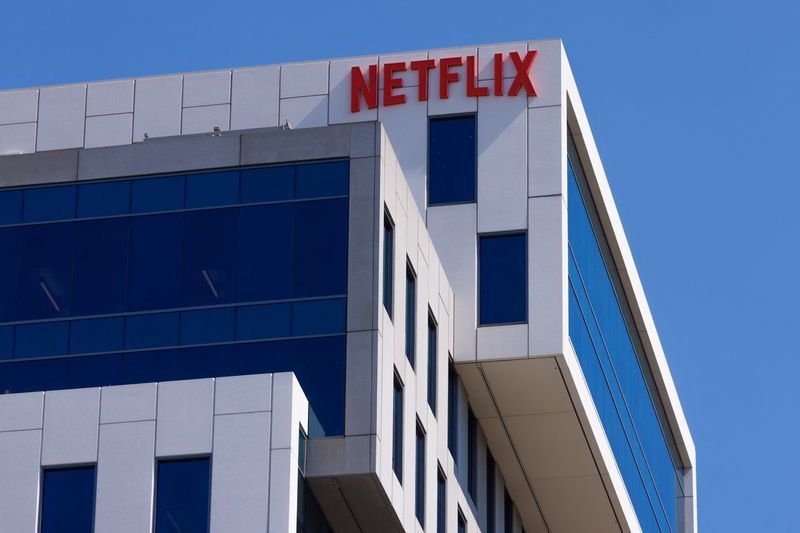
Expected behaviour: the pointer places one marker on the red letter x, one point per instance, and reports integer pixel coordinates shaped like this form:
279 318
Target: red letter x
523 77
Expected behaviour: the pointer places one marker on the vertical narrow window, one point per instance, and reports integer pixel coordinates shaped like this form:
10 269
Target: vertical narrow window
411 314
419 495
397 429
508 513
462 522
441 500
432 360
68 500
472 456
182 495
452 411
388 262
490 485
452 160
502 282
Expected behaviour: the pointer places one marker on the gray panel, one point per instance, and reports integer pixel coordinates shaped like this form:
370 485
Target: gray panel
362 243
340 456
296 145
19 489
361 389
185 417
21 411
128 403
43 167
362 139
160 155
71 421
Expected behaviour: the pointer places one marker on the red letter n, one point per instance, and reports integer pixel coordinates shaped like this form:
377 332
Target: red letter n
359 86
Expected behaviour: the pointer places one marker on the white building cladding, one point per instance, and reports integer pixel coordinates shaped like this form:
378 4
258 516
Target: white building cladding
533 396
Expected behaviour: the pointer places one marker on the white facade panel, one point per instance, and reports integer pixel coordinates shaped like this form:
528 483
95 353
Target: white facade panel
21 411
243 394
207 88
304 112
128 403
206 118
18 138
254 98
71 419
19 106
340 90
304 79
109 130
19 491
457 101
185 417
157 107
61 117
109 98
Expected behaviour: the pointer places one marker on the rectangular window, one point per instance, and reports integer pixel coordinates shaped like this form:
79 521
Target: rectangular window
472 456
68 500
508 513
490 485
182 495
452 167
462 522
432 360
441 500
411 314
388 262
503 289
397 429
452 411
419 494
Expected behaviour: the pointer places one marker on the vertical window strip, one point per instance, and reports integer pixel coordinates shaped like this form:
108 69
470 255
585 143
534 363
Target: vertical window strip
411 314
420 476
388 262
441 500
452 411
490 492
432 362
472 456
397 426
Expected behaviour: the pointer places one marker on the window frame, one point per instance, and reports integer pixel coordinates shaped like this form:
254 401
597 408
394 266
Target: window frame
501 234
447 116
420 463
387 267
398 423
411 314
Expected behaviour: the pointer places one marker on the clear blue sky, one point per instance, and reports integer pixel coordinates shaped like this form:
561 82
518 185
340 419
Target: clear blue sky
694 108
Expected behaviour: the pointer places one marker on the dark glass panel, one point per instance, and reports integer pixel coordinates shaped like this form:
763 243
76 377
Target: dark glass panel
397 429
6 343
472 455
452 411
151 331
490 494
207 326
503 279
157 194
411 315
45 271
320 248
263 321
212 188
44 374
441 501
432 364
388 264
96 335
265 252
103 199
94 371
154 267
49 203
9 267
209 257
100 261
68 500
267 184
419 489
317 180
183 493
10 207
319 365
318 317
452 160
144 367
41 340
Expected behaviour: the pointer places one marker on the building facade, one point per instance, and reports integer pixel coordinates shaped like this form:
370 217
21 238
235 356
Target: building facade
385 293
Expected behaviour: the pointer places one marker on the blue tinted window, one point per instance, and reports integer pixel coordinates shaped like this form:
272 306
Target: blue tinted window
320 365
318 317
44 374
462 522
503 279
96 335
209 257
451 165
267 184
68 500
263 321
212 188
320 248
397 429
154 272
207 326
101 199
10 207
42 339
452 411
411 315
322 179
45 271
94 371
490 499
9 266
49 203
472 455
157 194
419 492
265 252
99 265
182 496
388 263
441 501
149 331
6 344
433 360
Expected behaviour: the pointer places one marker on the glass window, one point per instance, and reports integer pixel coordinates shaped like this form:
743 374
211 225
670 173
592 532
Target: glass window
268 184
441 500
503 279
209 257
452 411
100 258
432 363
154 268
319 365
388 262
49 203
462 522
263 321
452 161
157 194
96 335
472 455
6 344
207 325
265 250
212 188
10 207
41 340
490 492
419 489
317 180
45 271
411 314
183 493
397 429
94 371
318 317
103 199
9 267
320 248
68 500
508 513
151 331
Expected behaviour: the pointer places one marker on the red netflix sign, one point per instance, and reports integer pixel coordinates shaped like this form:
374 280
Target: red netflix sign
366 88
